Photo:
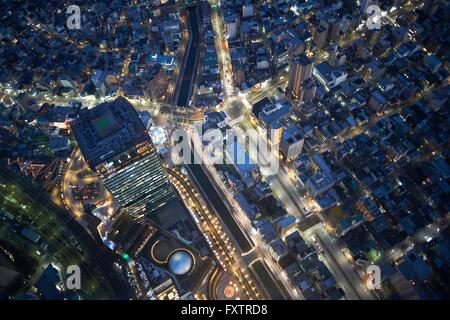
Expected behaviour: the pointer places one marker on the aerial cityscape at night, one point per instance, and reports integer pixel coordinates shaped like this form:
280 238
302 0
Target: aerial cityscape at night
224 150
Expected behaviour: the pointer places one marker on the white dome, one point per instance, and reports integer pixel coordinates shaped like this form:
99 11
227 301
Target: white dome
180 262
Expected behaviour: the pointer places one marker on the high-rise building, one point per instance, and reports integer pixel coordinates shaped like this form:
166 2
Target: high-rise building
307 91
336 56
300 69
334 27
116 145
291 143
320 36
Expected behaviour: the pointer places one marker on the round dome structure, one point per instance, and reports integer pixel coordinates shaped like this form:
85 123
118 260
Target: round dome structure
180 262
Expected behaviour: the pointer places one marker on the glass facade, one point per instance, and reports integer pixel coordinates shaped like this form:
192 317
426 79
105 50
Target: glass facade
136 178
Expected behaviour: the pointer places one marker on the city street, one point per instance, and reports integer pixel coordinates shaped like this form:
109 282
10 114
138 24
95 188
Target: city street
220 243
260 249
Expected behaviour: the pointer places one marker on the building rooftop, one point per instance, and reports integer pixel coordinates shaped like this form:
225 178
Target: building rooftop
108 129
273 112
302 59
324 68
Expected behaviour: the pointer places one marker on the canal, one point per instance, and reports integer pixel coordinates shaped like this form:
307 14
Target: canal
216 200
261 272
190 60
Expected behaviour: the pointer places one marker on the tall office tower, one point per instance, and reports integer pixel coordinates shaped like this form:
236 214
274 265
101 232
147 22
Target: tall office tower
300 70
334 27
333 51
116 145
320 36
336 56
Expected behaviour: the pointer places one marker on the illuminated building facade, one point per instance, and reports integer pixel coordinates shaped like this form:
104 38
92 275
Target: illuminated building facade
118 148
300 70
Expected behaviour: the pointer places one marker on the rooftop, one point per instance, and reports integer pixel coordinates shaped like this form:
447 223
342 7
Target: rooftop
108 129
302 59
273 112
